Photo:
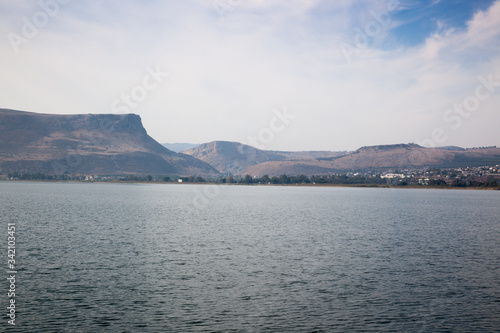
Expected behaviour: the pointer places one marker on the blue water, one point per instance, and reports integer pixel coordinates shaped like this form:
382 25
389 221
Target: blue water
189 258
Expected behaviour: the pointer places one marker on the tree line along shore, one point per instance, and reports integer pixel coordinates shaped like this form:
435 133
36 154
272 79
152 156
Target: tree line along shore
431 179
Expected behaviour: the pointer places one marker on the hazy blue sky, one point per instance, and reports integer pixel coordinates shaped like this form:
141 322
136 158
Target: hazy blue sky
349 73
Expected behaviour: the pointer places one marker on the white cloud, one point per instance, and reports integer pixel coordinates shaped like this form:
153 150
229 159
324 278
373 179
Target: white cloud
226 77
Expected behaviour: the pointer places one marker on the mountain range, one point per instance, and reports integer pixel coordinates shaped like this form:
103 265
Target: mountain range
112 144
381 158
235 158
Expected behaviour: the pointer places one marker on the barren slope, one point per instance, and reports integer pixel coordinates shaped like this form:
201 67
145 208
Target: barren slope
233 157
87 144
380 158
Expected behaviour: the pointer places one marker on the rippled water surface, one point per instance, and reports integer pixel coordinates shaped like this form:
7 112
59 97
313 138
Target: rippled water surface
188 258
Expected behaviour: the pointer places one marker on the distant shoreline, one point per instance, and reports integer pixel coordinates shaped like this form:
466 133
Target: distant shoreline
284 185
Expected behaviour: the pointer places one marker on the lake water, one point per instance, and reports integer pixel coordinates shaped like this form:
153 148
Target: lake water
189 258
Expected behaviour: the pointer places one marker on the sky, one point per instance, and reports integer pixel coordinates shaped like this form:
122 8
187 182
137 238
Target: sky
275 74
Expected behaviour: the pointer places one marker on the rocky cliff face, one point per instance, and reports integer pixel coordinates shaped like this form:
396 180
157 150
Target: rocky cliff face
97 144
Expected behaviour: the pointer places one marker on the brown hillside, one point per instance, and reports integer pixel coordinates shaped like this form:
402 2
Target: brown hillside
99 144
381 158
233 157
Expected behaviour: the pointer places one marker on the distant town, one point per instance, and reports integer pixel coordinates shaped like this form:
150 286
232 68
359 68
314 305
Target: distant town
484 176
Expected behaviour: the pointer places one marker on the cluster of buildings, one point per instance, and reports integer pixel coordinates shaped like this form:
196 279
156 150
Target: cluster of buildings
482 174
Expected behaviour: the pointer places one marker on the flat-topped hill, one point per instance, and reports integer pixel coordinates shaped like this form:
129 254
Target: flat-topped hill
97 144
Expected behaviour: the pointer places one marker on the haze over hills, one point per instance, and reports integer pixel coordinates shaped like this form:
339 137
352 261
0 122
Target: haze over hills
179 147
236 158
385 157
87 144
108 144
233 157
